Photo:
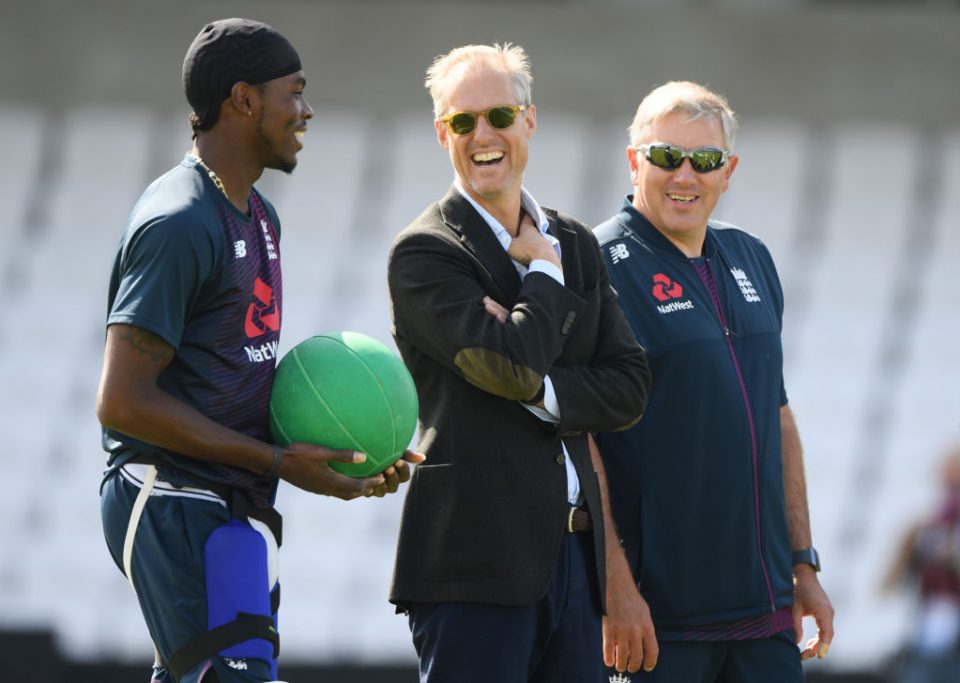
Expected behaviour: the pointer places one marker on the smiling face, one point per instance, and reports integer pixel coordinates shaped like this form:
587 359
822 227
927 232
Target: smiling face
679 203
489 162
283 117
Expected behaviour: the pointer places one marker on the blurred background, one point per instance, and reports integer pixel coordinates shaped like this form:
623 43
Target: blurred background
849 145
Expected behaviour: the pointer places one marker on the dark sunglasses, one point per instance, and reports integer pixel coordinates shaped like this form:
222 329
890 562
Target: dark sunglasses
670 157
499 118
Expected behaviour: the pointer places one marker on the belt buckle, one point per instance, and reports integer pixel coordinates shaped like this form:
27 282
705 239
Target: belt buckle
570 519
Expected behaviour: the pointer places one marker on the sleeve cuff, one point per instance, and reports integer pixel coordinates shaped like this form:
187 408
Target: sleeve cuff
550 403
547 268
551 408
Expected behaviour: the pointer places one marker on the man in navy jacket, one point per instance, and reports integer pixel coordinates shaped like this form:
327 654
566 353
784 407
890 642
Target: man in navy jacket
708 490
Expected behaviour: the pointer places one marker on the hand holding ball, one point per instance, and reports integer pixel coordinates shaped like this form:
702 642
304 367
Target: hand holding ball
345 390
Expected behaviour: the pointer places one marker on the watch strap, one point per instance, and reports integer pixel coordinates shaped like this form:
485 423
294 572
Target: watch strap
807 556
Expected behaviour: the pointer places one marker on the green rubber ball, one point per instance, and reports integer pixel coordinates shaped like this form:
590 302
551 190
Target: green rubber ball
345 390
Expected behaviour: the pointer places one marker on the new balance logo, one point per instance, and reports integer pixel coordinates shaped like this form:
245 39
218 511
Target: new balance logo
618 252
620 678
239 248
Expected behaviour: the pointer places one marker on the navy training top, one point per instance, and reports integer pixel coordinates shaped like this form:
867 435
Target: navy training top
195 271
697 485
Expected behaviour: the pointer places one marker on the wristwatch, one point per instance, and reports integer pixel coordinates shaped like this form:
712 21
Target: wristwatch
807 556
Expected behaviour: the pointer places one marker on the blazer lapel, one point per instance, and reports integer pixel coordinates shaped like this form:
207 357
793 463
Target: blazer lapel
477 238
569 252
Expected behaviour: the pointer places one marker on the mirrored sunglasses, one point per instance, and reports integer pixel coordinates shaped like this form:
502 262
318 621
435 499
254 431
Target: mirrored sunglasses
670 157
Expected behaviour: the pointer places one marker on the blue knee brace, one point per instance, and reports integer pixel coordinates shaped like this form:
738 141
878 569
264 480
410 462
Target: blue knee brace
241 616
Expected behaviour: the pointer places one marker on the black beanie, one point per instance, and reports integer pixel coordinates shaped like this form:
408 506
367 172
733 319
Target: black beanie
228 51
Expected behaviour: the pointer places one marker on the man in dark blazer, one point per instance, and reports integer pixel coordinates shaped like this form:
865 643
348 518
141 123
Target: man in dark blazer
504 314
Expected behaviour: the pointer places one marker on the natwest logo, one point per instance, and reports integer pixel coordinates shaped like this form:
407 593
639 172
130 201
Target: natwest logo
264 352
665 289
263 316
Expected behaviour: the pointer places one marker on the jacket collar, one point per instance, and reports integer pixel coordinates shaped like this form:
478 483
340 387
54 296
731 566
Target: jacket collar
637 224
478 238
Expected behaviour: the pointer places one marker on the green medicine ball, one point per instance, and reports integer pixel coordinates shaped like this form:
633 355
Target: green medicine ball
345 390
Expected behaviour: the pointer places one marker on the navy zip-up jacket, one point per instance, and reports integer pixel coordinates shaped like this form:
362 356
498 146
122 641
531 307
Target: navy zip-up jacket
697 485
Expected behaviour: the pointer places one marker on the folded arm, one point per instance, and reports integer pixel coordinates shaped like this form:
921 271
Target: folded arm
609 392
437 296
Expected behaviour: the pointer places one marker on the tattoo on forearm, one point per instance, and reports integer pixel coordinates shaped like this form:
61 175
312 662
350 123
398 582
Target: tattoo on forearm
146 343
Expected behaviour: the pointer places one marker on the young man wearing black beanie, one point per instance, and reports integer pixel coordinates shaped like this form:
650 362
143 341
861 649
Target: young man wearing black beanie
192 335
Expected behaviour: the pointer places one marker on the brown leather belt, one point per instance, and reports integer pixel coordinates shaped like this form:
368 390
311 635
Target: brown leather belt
578 520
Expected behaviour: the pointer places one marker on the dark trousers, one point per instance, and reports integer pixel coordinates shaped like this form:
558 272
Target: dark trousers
765 660
169 573
556 640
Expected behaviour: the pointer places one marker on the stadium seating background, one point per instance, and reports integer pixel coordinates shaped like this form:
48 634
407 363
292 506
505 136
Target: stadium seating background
850 115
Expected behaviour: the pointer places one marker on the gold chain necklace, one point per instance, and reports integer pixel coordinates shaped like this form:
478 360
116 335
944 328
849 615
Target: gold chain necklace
213 176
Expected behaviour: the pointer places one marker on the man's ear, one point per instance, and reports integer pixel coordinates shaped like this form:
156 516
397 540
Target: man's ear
732 162
633 162
244 98
443 133
530 120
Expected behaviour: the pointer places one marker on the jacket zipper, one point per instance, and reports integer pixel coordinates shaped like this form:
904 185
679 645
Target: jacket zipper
750 424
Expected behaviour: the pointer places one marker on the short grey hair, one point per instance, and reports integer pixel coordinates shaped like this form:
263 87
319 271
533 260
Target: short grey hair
683 97
505 57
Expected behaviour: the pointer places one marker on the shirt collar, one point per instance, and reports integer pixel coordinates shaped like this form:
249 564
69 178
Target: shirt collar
527 202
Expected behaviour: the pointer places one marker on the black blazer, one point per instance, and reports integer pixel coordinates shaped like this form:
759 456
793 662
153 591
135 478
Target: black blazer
485 514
